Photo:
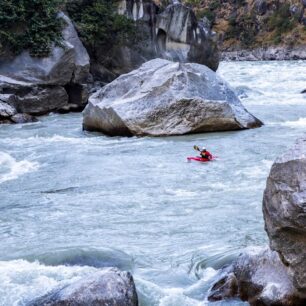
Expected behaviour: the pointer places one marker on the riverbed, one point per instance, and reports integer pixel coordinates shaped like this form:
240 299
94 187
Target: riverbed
73 202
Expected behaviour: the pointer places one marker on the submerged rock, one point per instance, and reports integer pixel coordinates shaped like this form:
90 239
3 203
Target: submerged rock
23 118
284 208
110 287
166 98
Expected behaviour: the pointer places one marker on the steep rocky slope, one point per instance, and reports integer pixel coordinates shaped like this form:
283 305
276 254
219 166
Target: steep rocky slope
254 24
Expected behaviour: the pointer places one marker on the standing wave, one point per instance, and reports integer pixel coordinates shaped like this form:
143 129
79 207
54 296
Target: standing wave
11 169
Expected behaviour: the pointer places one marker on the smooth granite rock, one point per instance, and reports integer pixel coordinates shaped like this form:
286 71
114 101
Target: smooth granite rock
166 98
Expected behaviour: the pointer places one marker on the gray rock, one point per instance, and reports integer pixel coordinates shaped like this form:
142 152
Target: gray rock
6 110
36 85
181 38
81 57
173 33
106 288
261 6
259 277
284 208
39 100
166 98
23 118
70 63
296 10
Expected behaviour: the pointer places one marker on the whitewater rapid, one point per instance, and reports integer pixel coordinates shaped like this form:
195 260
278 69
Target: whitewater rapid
74 202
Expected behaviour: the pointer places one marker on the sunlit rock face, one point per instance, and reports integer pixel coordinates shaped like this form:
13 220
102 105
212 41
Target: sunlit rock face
173 33
180 37
166 98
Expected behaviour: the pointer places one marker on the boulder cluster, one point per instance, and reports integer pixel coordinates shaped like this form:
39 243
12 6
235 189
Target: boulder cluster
63 80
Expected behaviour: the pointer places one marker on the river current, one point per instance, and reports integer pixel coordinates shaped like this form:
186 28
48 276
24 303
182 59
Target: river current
73 202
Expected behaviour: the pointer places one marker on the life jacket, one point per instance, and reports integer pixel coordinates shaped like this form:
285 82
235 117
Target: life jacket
206 155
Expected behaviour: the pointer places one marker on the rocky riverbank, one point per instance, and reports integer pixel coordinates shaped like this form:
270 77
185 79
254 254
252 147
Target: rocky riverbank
266 54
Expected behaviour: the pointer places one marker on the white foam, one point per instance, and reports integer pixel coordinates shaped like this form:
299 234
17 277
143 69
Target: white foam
180 192
22 281
11 169
301 123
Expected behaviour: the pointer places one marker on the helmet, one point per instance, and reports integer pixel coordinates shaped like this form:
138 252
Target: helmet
203 149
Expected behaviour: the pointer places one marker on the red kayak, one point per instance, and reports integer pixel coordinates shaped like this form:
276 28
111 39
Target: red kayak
200 159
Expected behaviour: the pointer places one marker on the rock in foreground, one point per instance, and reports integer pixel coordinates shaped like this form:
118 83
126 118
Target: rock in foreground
284 208
165 98
259 277
277 276
107 288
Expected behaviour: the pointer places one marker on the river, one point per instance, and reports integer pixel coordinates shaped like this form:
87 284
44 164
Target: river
72 202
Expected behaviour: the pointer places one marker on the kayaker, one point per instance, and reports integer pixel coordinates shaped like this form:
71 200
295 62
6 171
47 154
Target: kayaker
205 154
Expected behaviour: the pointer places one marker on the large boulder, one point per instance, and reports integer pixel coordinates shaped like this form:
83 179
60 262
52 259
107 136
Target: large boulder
284 208
166 98
37 85
110 287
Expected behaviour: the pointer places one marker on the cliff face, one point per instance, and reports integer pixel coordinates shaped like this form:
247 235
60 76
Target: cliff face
251 24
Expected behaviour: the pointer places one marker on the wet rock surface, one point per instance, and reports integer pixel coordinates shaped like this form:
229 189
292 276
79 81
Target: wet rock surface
275 276
110 287
166 98
259 277
284 208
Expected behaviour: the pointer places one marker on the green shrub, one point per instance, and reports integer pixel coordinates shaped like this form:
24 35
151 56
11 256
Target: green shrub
243 28
281 22
30 25
98 23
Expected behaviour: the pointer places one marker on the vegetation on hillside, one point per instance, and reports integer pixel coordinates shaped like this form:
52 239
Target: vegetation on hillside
34 25
98 23
239 22
30 25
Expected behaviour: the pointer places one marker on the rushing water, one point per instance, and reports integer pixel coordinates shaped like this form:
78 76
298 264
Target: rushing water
73 202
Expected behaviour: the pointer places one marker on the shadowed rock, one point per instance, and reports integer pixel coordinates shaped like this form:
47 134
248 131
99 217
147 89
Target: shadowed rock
166 98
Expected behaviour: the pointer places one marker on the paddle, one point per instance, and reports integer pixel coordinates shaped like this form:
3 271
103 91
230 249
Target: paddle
196 148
